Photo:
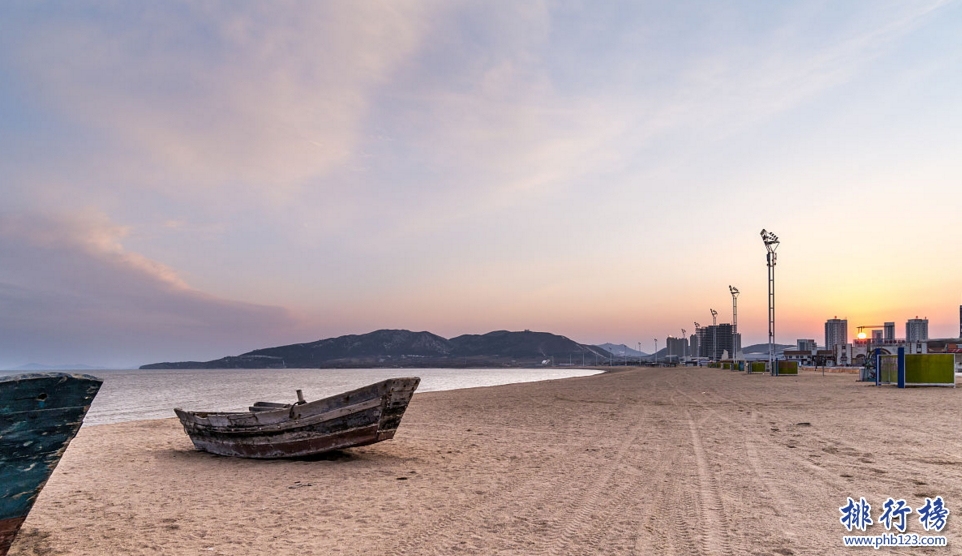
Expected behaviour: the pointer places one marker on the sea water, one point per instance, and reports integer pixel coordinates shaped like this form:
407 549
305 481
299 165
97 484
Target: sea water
130 395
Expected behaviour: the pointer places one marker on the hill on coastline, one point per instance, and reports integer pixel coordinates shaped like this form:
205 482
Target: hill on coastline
763 348
403 348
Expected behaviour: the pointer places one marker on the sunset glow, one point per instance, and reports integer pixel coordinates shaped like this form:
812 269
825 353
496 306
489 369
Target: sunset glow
185 181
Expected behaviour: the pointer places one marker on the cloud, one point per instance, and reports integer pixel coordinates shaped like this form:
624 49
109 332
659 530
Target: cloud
220 93
70 291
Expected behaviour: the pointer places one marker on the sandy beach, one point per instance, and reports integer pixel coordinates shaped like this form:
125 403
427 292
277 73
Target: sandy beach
640 461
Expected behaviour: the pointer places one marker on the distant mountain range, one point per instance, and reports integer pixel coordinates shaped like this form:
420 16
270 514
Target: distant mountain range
403 348
763 348
622 350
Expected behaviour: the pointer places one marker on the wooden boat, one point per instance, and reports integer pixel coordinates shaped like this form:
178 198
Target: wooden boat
40 413
273 430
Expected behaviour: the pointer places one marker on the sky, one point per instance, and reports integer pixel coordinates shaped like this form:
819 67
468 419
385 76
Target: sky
188 180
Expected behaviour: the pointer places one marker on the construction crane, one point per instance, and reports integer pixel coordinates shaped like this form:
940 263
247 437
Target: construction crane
861 335
684 336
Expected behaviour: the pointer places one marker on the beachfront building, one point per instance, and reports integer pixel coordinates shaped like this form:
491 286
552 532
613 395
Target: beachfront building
676 348
836 333
844 354
810 357
805 345
889 332
727 341
917 330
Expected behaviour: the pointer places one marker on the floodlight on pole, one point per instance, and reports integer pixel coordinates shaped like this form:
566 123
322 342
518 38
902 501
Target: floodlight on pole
714 333
697 327
734 291
771 244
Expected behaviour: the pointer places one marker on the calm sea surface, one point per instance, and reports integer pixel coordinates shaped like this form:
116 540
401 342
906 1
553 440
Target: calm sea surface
152 394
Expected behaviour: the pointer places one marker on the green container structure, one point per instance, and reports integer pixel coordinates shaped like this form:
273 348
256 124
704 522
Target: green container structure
888 372
726 366
787 368
930 369
756 368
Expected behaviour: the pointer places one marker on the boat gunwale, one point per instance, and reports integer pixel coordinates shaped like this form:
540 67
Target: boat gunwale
266 413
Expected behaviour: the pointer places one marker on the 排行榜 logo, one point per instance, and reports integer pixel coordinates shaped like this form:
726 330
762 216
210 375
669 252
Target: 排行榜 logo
857 515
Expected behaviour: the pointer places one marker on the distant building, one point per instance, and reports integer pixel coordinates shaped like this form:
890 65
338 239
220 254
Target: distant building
726 341
810 357
805 345
844 354
693 345
836 333
917 330
676 347
876 336
889 335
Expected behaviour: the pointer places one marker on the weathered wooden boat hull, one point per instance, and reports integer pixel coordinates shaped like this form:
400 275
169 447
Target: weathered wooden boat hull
357 418
39 415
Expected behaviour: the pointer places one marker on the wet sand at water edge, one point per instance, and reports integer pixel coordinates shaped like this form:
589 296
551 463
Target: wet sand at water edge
641 461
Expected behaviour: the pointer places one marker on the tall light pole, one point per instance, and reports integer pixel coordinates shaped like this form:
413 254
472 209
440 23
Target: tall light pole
684 337
714 333
734 292
697 335
771 244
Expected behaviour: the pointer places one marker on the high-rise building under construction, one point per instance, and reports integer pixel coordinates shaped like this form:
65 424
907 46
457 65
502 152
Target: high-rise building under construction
677 348
727 342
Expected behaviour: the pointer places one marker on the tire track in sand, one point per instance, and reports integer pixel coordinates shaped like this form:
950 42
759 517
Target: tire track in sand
577 522
714 526
446 531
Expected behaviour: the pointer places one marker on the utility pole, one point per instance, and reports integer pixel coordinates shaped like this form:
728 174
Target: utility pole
714 333
771 244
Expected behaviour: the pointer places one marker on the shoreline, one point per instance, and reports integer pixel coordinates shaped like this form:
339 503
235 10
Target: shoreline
643 461
132 395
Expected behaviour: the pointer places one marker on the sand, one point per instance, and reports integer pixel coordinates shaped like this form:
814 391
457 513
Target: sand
647 461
